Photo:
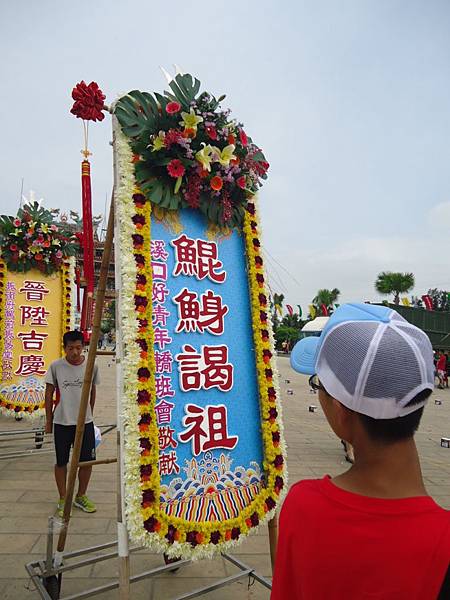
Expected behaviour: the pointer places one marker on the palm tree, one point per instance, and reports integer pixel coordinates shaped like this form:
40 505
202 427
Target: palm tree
394 283
326 297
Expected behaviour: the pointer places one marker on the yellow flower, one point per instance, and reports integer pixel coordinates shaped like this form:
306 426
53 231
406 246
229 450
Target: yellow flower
44 228
158 142
204 156
224 156
190 120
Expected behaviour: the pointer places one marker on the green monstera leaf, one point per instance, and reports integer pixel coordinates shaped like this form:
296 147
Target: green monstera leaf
185 89
137 113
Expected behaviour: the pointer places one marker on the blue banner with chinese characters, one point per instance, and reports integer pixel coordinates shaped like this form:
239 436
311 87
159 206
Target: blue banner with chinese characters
203 343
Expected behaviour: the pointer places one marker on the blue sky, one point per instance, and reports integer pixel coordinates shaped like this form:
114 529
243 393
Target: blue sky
348 99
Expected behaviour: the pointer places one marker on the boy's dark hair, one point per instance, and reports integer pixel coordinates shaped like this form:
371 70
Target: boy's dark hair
72 336
394 430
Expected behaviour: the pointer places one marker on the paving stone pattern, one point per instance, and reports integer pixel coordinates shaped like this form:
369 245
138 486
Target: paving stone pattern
28 496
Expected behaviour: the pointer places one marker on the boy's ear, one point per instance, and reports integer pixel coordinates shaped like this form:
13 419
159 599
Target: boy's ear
343 414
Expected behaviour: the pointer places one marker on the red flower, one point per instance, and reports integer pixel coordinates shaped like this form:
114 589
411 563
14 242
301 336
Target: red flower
172 136
241 182
175 168
243 137
13 248
38 257
89 102
211 132
216 183
173 107
231 139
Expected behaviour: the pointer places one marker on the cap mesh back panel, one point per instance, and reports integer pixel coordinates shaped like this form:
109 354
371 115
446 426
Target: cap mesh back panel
424 345
395 370
345 350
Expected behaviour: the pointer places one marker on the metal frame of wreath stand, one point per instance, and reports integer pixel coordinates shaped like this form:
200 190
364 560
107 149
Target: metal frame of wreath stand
47 574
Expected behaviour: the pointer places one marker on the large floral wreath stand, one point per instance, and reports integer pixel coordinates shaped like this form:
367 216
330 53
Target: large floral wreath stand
204 454
36 280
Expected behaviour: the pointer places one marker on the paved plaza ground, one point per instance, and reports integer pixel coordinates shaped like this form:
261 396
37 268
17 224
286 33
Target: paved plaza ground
28 496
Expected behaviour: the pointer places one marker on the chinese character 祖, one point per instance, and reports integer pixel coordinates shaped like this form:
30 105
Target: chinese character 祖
159 292
208 428
159 271
206 370
161 337
160 315
32 340
163 387
193 317
164 412
157 250
34 290
167 464
37 315
197 257
165 438
30 365
163 361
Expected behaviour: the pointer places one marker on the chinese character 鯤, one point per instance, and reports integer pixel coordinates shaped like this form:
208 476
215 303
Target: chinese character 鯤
197 258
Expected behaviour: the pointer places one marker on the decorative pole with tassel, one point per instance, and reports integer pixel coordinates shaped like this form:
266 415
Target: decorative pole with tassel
88 106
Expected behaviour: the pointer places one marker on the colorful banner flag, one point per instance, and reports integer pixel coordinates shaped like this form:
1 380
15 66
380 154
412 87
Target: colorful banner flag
35 311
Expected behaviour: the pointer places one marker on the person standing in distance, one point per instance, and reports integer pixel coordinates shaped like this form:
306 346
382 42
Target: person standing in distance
66 376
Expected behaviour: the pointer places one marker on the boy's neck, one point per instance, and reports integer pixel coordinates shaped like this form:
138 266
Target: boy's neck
384 471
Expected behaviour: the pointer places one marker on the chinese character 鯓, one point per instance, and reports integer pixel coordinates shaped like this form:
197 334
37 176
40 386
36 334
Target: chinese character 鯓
193 316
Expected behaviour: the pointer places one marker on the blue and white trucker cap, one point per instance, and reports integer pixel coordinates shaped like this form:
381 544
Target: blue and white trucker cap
370 359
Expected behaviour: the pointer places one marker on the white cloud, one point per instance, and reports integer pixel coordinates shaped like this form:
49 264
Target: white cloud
439 217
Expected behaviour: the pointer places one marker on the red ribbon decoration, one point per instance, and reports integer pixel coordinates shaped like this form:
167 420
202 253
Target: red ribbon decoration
88 246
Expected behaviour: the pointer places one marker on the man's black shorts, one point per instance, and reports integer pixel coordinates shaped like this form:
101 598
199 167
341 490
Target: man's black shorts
64 437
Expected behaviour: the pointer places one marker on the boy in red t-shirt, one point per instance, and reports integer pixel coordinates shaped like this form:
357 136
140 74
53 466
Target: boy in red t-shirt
372 532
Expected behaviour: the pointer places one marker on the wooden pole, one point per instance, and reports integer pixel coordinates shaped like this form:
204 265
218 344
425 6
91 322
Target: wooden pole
86 389
273 540
91 463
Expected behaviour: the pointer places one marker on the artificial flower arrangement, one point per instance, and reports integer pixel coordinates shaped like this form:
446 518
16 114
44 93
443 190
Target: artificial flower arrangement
189 153
147 520
33 240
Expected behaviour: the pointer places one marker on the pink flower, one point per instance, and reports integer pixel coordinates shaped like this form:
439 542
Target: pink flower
175 168
59 254
13 248
17 222
173 107
241 182
53 227
243 137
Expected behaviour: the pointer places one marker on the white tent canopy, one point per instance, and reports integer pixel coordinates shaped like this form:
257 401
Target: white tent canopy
316 324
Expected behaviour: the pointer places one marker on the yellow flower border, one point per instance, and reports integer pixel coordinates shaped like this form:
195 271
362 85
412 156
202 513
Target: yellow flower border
67 275
147 523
